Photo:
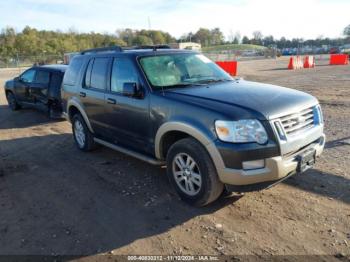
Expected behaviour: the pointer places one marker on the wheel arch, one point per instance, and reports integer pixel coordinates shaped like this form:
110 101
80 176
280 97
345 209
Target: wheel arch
74 107
9 91
170 132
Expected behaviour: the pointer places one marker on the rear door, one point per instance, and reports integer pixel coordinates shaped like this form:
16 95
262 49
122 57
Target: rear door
54 91
92 93
22 85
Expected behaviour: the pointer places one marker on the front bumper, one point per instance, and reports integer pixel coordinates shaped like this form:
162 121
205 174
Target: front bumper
275 170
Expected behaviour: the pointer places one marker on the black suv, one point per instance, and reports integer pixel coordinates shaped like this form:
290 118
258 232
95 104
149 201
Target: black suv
178 108
39 86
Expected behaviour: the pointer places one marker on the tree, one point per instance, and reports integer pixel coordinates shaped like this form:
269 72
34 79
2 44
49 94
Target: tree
231 36
142 40
237 38
217 37
202 36
257 38
158 38
347 31
282 42
127 35
245 40
120 42
268 40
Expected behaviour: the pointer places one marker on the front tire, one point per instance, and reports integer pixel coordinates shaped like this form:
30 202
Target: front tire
192 173
84 139
12 101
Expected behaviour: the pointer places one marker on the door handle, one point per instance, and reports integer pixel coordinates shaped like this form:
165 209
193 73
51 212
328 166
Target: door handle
111 101
82 94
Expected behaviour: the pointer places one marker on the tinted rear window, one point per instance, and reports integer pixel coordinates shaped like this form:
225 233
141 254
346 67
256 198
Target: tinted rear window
42 77
99 73
71 76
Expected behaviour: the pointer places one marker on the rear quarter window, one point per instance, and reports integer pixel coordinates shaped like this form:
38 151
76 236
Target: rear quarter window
72 73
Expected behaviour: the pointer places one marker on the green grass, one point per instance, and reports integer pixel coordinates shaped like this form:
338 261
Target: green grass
236 47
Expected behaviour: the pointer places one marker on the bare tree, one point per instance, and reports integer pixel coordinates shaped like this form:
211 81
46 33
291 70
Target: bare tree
347 30
257 37
237 38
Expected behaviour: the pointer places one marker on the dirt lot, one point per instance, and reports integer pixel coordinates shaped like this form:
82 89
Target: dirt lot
55 199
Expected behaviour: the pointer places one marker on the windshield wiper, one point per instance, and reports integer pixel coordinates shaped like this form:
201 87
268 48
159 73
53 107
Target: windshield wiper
213 80
179 85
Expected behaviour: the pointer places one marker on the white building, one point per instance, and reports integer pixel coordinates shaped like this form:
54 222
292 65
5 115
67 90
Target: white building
186 45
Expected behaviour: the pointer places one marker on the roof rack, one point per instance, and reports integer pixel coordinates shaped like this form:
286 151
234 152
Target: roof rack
120 49
154 47
102 49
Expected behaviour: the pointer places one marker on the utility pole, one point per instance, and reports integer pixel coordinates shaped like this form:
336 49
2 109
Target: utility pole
149 23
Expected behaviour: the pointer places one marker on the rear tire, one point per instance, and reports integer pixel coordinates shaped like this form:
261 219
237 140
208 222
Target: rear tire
84 139
50 111
12 101
191 171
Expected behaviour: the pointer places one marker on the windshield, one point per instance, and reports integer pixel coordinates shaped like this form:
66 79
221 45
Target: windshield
179 70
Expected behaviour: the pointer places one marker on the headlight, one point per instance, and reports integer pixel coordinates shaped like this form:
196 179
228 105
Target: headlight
242 131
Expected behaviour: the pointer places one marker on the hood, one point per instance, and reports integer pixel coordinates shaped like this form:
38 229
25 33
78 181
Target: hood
269 100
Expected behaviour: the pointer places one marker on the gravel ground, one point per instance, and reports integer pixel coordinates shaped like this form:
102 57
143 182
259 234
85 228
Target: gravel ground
55 199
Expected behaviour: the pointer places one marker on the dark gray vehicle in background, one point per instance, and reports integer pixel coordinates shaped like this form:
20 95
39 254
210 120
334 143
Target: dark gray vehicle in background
178 108
39 86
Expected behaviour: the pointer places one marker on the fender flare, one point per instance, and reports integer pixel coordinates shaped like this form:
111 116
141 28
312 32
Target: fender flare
79 107
181 127
192 131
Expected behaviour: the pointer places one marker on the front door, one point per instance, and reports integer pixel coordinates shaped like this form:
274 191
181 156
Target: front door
22 85
39 88
127 117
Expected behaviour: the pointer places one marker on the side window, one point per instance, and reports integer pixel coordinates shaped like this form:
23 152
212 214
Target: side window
72 73
99 73
42 77
28 76
123 71
87 82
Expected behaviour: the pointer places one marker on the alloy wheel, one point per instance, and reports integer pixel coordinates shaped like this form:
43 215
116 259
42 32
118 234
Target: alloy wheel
187 174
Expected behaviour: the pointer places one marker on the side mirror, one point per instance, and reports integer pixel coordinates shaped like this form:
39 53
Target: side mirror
18 79
132 90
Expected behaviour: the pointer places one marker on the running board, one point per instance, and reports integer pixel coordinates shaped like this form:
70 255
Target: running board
129 152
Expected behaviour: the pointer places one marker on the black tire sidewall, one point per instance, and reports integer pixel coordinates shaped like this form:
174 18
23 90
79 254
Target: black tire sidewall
77 117
10 96
50 111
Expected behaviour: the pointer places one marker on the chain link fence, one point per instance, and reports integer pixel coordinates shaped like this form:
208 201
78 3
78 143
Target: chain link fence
27 61
223 55
241 55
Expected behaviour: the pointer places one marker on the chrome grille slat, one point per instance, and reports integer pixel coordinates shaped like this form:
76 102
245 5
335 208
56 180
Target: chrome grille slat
307 123
298 121
307 116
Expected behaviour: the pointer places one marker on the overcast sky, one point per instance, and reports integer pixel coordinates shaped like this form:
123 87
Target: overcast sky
293 18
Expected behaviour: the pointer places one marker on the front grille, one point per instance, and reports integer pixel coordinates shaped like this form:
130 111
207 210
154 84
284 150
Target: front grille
300 121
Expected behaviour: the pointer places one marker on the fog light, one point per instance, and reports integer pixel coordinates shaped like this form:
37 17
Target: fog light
255 164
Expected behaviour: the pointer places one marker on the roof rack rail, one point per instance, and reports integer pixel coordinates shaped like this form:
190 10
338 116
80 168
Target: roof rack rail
154 47
102 49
